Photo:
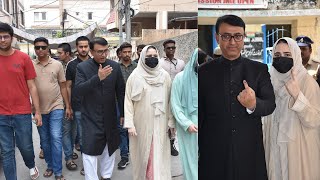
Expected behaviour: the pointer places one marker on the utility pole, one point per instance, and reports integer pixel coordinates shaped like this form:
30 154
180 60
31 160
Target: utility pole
128 20
120 17
61 12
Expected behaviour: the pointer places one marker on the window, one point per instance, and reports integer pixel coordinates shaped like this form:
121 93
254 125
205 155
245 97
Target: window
22 17
89 15
6 5
40 16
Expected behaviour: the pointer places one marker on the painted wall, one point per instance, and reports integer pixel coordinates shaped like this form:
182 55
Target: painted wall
185 45
152 35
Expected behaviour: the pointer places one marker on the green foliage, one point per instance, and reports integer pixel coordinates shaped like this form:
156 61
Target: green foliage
59 34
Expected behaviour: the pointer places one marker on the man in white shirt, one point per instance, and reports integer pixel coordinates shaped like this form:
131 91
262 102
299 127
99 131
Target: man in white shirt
173 66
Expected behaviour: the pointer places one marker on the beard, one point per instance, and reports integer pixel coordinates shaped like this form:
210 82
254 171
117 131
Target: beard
126 59
5 48
85 54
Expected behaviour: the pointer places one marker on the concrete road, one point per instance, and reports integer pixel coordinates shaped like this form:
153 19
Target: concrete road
126 174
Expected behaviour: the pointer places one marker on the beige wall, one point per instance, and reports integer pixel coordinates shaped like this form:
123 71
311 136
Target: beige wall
253 28
308 26
167 5
152 35
142 23
185 45
146 23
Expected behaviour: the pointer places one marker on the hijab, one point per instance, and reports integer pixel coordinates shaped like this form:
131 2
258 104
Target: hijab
155 78
283 114
190 84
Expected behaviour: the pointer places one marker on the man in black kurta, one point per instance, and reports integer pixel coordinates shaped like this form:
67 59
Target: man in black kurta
98 82
234 92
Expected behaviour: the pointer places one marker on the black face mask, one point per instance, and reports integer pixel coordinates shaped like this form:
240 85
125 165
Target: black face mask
282 64
152 62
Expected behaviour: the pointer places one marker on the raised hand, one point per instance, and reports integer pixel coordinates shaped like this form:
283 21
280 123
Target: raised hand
247 97
104 72
292 85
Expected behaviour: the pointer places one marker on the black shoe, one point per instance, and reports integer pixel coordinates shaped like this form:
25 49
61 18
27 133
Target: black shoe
123 163
174 151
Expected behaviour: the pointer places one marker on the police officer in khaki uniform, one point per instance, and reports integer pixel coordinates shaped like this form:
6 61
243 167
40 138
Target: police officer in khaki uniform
312 65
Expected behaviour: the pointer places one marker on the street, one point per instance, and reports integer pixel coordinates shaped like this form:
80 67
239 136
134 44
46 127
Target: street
126 174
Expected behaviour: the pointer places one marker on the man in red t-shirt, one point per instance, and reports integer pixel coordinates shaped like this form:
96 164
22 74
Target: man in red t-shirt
17 84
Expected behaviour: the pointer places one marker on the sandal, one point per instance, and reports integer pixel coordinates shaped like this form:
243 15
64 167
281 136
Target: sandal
71 165
34 173
48 173
74 156
82 172
41 155
60 178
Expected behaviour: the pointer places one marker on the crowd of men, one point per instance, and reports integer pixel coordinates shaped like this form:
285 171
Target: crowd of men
88 101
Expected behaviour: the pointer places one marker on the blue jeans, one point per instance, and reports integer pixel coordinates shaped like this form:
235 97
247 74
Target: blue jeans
69 132
51 139
77 116
124 143
16 129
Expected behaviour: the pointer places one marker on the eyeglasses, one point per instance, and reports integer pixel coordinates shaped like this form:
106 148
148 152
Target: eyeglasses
228 37
101 52
42 47
173 47
5 37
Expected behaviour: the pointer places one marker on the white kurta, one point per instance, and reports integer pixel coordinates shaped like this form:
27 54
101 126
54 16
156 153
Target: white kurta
139 113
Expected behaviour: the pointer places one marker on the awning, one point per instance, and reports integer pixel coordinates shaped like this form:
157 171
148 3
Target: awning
89 32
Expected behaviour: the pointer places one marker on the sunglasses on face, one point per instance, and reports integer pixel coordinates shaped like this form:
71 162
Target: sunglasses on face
42 47
173 47
5 37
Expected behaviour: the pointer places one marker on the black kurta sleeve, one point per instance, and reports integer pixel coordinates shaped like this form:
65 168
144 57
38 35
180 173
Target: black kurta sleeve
265 94
120 91
83 85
